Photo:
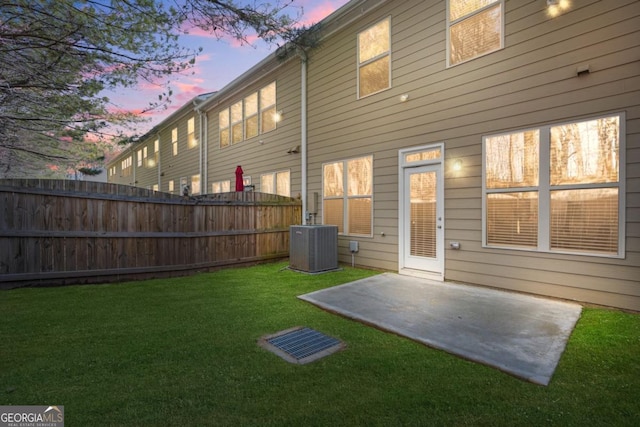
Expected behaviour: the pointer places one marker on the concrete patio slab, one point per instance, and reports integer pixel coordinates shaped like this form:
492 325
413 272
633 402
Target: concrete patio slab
519 334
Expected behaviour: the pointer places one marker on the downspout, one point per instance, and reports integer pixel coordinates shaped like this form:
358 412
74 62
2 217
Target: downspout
201 143
159 165
303 132
205 147
134 165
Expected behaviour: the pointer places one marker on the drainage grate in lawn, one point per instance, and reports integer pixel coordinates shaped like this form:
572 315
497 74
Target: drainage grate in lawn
301 344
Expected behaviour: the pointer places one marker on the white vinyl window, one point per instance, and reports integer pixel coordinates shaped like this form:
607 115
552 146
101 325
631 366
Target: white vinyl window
348 195
557 188
251 116
195 184
192 140
223 122
269 117
374 58
152 161
140 158
174 141
474 28
276 183
221 187
237 134
171 186
126 166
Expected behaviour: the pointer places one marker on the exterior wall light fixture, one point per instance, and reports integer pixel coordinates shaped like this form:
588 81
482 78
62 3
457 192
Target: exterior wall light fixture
457 165
555 7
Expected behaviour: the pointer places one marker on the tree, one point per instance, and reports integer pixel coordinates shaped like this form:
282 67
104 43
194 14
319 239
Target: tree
58 56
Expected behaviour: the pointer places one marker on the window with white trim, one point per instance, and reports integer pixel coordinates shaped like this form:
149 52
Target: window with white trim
192 140
126 166
224 123
171 186
237 134
269 117
276 183
347 195
251 115
174 141
474 28
374 59
221 187
556 188
152 161
195 184
140 158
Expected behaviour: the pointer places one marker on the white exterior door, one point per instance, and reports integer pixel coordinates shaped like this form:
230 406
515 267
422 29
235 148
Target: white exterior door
422 221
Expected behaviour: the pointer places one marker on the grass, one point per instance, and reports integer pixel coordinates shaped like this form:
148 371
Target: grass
183 351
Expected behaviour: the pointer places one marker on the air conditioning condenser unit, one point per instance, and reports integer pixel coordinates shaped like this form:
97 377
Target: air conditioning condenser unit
313 248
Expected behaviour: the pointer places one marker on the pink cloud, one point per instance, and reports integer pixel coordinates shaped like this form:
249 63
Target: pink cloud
318 13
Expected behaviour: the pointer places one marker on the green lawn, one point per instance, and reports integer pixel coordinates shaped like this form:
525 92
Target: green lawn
183 351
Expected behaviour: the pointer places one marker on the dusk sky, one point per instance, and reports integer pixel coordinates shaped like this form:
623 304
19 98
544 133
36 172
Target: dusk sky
219 63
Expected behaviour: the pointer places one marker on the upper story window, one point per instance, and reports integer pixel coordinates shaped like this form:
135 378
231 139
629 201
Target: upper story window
174 141
253 115
152 161
374 59
348 195
140 157
223 120
269 115
125 165
192 141
474 28
236 123
556 188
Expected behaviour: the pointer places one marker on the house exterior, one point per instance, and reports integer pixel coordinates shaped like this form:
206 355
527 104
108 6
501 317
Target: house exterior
169 157
493 142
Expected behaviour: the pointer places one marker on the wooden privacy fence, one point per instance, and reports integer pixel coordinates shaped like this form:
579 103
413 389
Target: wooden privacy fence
55 232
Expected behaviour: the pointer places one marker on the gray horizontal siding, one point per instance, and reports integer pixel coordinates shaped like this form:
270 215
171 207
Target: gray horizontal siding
267 152
532 81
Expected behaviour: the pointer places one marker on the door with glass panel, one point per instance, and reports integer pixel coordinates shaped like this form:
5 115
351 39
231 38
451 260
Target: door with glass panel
423 219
